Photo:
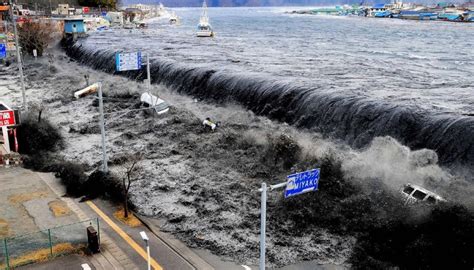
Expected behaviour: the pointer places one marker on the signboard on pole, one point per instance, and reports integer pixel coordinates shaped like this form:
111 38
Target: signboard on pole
302 182
3 51
128 61
7 118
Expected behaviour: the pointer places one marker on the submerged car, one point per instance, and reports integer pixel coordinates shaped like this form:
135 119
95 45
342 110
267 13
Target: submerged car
414 194
151 101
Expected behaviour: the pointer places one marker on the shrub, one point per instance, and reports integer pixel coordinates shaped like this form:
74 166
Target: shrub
37 135
72 176
100 184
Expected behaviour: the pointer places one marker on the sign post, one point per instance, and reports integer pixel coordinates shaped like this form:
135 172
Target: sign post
263 225
3 51
148 79
296 184
133 61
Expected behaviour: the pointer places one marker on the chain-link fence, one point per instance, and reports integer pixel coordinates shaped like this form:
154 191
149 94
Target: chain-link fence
43 245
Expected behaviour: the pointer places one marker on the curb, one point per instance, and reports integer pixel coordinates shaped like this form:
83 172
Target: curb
177 246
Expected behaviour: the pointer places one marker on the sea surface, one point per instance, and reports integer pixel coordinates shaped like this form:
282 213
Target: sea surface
424 64
350 78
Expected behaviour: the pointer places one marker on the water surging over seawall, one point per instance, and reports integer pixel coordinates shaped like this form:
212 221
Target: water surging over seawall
356 120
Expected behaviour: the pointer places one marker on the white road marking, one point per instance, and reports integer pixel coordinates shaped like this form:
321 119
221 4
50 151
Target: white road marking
246 267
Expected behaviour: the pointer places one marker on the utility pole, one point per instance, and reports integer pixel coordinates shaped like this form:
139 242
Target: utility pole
18 56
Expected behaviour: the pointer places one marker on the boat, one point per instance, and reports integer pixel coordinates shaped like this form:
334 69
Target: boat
204 27
382 14
420 14
174 19
452 15
469 17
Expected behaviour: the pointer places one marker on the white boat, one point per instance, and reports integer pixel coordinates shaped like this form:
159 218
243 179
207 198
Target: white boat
204 27
174 19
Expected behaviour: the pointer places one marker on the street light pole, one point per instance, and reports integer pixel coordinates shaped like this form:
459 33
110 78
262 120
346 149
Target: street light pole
102 130
148 255
146 239
20 63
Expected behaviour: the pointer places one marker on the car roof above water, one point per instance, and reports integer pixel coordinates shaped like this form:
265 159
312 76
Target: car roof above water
415 193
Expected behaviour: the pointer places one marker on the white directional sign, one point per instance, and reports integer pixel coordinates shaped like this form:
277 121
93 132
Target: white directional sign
296 184
128 61
302 182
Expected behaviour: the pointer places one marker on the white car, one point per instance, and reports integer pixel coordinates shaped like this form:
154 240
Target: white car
149 100
413 194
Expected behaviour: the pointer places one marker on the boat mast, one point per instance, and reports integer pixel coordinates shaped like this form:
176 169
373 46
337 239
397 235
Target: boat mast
204 9
204 18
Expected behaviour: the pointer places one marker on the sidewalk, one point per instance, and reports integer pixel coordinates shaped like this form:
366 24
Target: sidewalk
122 242
33 203
111 256
121 245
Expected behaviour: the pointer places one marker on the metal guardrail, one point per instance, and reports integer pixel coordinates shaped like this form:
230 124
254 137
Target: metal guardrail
45 244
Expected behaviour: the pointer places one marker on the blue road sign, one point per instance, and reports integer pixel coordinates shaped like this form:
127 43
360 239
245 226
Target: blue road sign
302 182
3 51
128 61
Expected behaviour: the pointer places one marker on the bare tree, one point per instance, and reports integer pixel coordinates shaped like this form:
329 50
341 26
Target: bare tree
130 175
36 36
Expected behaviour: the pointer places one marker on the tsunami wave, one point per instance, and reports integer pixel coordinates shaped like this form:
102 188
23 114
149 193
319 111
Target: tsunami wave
356 120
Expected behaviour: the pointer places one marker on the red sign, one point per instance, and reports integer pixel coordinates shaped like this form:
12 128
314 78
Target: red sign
85 10
7 118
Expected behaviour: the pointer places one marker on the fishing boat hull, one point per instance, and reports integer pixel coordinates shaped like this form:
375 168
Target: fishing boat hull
382 14
204 34
418 15
452 17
